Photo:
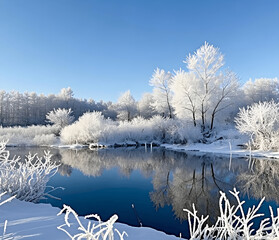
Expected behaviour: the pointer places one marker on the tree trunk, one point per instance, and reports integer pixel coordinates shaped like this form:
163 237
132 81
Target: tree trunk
212 120
194 119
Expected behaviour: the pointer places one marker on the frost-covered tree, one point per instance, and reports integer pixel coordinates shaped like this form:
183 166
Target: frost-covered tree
60 117
261 122
3 95
27 108
126 106
66 93
185 99
262 89
160 82
211 89
145 108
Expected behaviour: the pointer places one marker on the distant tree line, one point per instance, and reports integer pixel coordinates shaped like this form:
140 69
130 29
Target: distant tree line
24 109
204 93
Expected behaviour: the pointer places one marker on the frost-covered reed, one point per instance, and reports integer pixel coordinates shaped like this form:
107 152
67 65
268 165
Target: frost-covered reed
234 222
26 179
97 230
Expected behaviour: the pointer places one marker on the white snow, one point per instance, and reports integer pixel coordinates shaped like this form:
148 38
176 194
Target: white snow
227 147
40 221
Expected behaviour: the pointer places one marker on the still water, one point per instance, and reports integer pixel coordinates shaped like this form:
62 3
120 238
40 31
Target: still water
159 183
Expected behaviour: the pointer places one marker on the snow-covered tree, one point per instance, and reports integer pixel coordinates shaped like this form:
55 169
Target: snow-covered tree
261 122
160 82
66 93
3 95
60 117
145 108
126 106
27 108
185 99
262 89
205 90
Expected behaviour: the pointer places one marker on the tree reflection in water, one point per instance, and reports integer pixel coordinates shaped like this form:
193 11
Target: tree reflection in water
261 179
178 179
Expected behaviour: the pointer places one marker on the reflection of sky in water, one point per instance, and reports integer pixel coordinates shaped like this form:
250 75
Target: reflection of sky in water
160 184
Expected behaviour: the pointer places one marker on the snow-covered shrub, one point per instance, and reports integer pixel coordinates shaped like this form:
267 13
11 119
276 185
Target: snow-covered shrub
60 118
186 133
142 130
261 122
94 128
29 136
26 179
89 128
93 231
233 222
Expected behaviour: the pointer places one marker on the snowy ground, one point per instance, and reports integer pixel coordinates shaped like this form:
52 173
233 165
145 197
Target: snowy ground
40 221
232 147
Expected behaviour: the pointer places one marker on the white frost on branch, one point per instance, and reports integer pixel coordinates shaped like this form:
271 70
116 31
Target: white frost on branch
162 95
94 230
26 179
261 122
205 90
60 117
126 107
234 222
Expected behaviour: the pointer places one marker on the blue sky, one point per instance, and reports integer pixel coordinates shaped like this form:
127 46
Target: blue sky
103 48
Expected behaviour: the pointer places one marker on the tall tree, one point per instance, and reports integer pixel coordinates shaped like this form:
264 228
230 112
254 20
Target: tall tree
205 90
185 98
160 82
126 106
145 108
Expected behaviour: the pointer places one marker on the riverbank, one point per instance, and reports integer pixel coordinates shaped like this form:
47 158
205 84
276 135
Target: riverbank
40 221
228 142
224 147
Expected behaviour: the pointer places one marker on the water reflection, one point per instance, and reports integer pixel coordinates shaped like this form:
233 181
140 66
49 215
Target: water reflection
261 179
178 179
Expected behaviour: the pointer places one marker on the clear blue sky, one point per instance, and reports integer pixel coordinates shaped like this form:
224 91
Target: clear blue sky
103 48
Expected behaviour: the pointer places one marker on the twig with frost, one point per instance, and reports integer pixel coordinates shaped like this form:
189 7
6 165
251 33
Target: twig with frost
93 231
27 179
234 222
7 200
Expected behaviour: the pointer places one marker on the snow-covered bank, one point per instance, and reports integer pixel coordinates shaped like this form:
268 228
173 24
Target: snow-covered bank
226 147
40 221
29 136
228 141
